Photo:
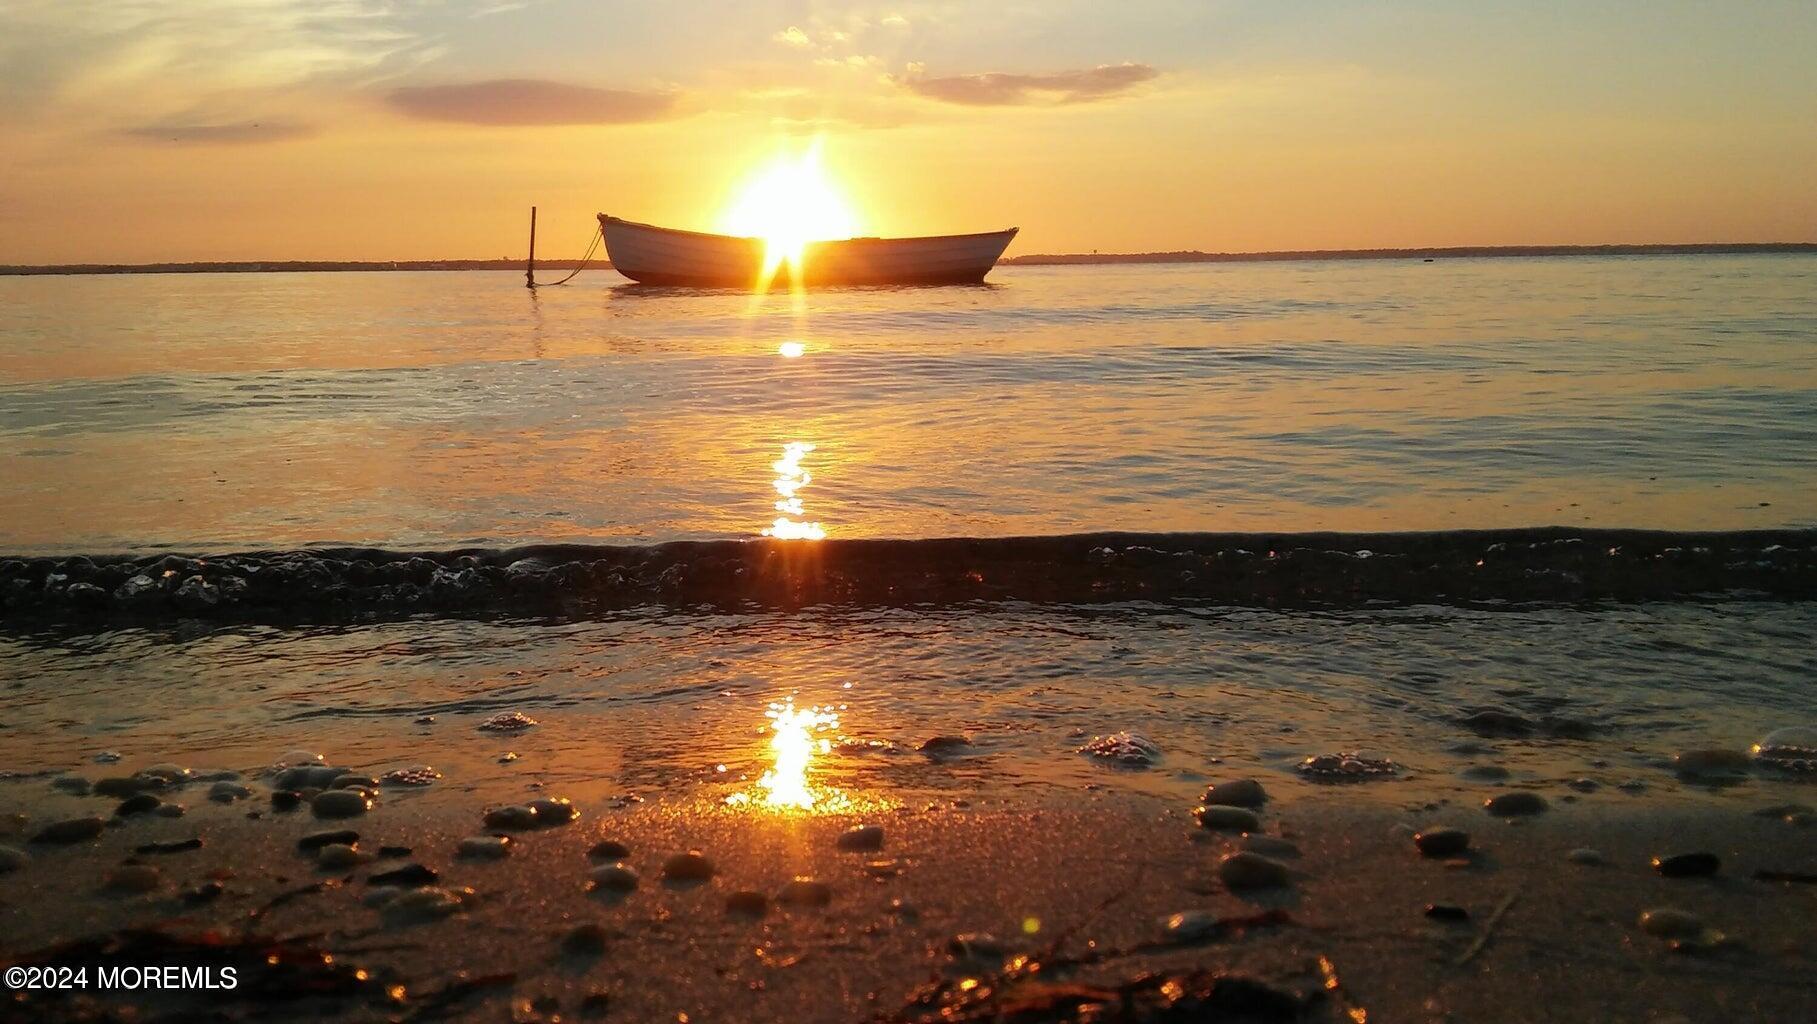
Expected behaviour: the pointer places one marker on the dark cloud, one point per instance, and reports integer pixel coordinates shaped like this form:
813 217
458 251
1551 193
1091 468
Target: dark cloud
998 89
528 101
235 134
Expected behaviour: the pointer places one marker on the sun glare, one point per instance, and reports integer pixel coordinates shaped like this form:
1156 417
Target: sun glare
788 203
794 744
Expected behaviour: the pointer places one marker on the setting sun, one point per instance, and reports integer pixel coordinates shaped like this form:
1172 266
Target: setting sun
788 203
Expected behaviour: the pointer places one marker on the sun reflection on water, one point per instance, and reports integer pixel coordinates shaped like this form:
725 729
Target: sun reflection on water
795 740
791 349
790 479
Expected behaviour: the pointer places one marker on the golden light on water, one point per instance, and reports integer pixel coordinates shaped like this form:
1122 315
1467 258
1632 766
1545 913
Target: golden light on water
788 203
791 349
794 743
790 479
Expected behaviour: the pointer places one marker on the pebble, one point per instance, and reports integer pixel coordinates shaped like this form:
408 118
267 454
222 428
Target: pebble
285 799
174 846
1237 793
1586 856
1507 805
609 849
228 792
552 811
1688 865
11 859
316 840
172 774
692 866
310 776
1270 846
340 803
73 830
406 877
612 878
508 721
73 784
125 785
1442 842
485 847
1226 818
137 804
943 744
1446 912
1127 749
1246 869
863 837
354 780
1486 773
1668 923
168 810
746 901
805 892
107 757
135 878
1190 926
585 940
426 904
513 817
1711 765
339 857
1584 785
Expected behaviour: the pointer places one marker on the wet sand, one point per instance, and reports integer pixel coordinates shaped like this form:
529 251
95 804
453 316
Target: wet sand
1078 882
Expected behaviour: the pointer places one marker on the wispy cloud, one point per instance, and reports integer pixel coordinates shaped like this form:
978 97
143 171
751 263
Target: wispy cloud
792 36
242 133
529 101
999 89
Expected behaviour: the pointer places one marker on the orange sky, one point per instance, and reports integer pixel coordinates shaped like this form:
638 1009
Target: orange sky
372 129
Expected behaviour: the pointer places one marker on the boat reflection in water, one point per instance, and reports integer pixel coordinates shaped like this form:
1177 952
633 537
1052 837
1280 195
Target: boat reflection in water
790 479
797 737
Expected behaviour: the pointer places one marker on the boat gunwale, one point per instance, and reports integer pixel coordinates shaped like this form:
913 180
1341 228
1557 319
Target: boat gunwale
605 217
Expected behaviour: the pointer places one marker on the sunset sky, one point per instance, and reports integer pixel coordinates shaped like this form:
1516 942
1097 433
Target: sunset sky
136 130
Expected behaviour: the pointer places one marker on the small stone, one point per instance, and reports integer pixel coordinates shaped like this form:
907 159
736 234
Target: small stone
609 849
169 810
552 811
1223 817
1507 805
1584 785
692 866
175 846
12 859
406 877
134 878
1486 773
125 785
1236 793
425 904
1446 912
1687 865
485 847
137 804
416 775
1668 923
508 721
1711 765
285 800
228 792
309 776
339 857
107 757
1190 926
172 774
1442 842
1586 856
1248 870
612 878
805 892
73 830
72 784
585 940
863 837
340 803
514 817
745 901
937 745
354 780
1347 766
316 840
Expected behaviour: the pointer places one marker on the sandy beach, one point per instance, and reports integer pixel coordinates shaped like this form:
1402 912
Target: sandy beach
975 905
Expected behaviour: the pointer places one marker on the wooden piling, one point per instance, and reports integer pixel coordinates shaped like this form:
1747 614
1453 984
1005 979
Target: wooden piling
530 263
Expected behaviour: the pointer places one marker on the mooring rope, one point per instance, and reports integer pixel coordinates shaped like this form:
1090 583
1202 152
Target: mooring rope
598 234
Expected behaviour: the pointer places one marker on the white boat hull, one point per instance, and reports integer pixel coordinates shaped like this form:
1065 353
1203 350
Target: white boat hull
653 255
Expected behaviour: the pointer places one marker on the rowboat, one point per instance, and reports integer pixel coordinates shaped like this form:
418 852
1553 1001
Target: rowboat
666 256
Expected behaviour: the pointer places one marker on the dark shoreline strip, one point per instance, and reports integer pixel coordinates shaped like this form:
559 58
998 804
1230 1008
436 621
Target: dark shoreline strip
1307 570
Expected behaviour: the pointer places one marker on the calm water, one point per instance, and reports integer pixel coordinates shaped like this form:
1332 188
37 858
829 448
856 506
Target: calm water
272 411
232 411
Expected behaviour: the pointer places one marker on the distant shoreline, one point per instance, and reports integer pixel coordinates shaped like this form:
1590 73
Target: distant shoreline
1031 260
